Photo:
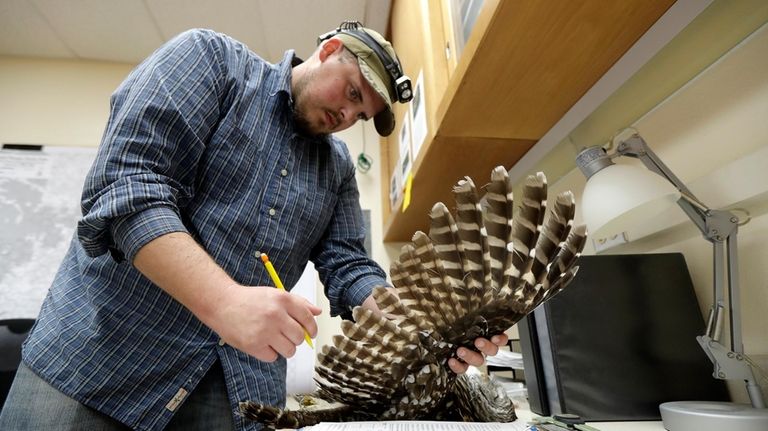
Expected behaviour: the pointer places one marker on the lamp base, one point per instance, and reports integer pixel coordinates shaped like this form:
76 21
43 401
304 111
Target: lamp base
712 416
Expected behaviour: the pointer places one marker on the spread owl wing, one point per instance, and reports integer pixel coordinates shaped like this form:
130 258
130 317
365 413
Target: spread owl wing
476 273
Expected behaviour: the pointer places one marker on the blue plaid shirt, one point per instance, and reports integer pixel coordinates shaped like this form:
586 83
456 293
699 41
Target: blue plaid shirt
200 139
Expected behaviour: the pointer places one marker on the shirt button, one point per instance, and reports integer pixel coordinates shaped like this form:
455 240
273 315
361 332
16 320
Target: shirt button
272 211
284 172
221 342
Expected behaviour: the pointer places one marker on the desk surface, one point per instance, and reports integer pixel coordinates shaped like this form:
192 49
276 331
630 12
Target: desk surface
628 426
526 415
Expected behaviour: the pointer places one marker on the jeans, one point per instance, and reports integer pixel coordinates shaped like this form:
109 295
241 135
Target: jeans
33 404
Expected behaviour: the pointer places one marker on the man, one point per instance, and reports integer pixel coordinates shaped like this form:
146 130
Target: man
161 315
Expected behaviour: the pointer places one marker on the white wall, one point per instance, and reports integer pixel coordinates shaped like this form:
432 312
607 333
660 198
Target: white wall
56 102
713 134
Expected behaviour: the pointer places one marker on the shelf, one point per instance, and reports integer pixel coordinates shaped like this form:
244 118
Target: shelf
525 64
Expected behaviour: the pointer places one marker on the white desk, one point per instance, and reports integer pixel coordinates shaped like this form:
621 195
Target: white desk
527 415
628 426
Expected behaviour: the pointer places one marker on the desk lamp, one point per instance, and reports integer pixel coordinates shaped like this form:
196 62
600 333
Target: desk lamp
617 197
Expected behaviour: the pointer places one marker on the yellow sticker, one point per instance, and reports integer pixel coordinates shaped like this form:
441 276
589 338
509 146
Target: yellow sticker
407 196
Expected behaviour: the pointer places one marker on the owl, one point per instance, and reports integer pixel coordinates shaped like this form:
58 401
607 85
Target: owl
477 272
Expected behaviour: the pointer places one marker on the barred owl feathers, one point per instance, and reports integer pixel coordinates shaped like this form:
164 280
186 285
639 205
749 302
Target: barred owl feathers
476 273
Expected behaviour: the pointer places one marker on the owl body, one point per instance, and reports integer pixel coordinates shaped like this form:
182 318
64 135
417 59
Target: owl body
477 272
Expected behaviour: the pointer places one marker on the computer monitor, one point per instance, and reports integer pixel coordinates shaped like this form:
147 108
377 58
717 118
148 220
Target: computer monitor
618 341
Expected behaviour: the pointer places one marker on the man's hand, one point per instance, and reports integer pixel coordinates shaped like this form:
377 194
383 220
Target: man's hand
263 321
469 357
260 321
466 356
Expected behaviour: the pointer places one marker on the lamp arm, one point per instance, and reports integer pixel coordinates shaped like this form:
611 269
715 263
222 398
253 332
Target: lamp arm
733 366
635 147
720 228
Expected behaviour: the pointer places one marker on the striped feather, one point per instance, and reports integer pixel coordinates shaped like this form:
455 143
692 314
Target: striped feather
526 226
445 238
473 237
440 285
391 306
553 233
497 218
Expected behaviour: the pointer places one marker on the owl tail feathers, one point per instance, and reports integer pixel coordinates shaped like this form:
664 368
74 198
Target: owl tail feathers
312 411
270 416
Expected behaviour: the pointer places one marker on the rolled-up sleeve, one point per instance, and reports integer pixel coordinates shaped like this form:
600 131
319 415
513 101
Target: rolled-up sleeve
160 120
346 271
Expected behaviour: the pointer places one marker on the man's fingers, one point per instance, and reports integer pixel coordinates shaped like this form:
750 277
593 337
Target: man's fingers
303 312
314 309
470 357
265 353
306 323
294 332
486 347
284 346
500 339
457 366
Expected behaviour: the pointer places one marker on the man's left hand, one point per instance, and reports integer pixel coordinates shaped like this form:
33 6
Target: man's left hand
469 357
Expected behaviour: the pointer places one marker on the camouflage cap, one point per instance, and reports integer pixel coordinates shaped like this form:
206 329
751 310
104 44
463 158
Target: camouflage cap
376 74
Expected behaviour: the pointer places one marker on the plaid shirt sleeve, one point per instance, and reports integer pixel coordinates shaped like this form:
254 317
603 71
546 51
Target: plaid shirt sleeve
145 170
346 271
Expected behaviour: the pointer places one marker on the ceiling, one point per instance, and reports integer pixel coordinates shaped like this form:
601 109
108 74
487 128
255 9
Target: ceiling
128 30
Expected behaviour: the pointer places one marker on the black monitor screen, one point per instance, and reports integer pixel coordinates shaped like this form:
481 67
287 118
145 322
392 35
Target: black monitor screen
618 341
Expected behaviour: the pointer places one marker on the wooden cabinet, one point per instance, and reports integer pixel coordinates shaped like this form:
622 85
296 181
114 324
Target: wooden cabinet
524 65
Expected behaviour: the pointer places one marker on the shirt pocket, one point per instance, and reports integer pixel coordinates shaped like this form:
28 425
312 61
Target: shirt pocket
229 164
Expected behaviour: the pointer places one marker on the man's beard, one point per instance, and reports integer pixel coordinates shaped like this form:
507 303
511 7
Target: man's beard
302 123
300 119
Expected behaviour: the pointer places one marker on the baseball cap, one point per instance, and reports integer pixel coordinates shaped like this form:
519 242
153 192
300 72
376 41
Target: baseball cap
375 73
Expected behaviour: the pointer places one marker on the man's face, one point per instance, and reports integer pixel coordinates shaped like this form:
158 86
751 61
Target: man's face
333 96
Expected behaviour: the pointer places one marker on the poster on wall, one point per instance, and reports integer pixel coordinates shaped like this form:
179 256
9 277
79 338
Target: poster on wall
406 156
418 109
395 186
40 188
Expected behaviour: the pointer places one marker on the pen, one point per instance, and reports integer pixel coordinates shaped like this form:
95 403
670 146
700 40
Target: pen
279 284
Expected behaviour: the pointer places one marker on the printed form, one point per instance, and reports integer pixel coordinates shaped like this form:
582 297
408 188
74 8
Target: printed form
518 425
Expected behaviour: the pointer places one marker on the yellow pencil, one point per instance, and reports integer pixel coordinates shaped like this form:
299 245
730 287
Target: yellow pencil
279 284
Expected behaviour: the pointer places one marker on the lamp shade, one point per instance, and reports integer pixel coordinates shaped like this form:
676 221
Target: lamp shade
619 197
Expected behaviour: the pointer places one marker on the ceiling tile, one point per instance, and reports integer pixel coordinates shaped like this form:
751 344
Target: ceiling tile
377 15
130 30
240 19
93 29
25 32
296 26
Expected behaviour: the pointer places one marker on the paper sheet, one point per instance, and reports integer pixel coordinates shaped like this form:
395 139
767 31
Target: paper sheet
505 358
518 425
301 366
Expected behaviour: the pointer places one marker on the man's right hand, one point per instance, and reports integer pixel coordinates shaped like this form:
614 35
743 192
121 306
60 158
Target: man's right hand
263 321
260 321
